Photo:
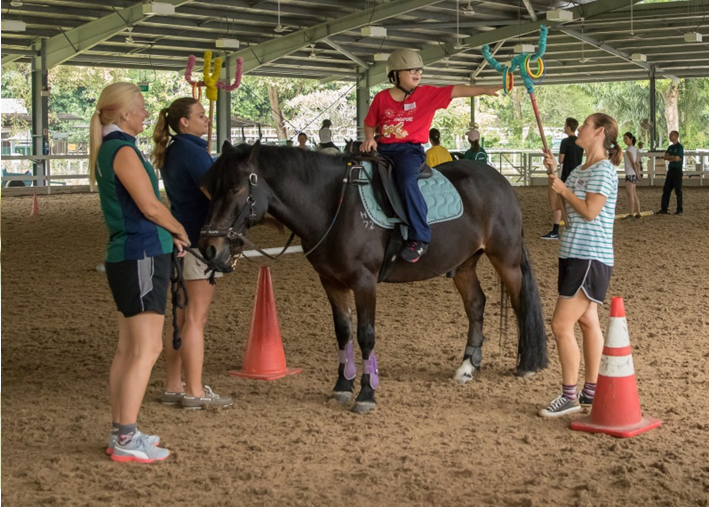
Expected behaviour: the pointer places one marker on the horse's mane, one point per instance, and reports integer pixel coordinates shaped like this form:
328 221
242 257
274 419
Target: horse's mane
307 166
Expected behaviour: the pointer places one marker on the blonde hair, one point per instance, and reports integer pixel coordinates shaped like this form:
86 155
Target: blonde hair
115 99
610 143
169 118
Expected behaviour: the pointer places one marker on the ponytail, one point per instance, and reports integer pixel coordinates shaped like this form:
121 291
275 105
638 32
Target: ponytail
169 119
95 141
161 136
615 153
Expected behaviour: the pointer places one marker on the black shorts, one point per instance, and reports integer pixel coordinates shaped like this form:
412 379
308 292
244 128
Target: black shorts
140 286
591 276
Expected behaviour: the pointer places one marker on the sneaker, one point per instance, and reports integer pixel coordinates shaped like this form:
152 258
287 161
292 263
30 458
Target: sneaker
551 235
209 399
152 440
638 215
560 406
169 398
627 217
678 213
413 251
585 401
661 212
138 449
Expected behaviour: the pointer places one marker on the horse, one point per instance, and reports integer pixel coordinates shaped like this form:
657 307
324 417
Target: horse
310 194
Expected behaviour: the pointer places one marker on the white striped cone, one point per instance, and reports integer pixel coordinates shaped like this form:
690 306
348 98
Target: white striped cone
616 405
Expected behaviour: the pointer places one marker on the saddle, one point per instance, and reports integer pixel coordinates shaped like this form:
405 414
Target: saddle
382 181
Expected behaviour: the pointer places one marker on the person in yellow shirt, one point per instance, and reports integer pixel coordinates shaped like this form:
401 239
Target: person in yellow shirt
436 154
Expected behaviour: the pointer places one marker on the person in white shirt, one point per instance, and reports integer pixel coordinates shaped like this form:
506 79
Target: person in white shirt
325 135
633 174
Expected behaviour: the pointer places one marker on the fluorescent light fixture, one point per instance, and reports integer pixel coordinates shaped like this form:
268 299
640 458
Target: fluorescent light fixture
227 43
693 37
12 25
524 48
374 31
560 16
381 57
638 57
158 8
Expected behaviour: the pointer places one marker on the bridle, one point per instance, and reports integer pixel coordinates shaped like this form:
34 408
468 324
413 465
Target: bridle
238 239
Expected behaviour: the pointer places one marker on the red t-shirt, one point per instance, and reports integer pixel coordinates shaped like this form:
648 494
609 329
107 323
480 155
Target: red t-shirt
408 121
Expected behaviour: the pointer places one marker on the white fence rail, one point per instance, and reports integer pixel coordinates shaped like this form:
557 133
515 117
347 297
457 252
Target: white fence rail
520 167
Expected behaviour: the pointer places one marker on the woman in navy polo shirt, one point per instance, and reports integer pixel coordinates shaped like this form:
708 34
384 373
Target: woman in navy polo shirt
141 236
183 159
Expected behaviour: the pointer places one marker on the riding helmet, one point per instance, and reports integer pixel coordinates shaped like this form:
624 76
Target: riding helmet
403 59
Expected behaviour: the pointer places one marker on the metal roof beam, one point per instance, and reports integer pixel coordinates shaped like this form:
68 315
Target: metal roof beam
256 56
67 45
347 53
482 65
610 49
530 10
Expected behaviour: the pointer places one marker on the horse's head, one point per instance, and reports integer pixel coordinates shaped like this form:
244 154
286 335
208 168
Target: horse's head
239 200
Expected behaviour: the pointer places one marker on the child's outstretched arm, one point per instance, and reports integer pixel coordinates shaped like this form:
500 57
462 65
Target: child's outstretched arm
474 91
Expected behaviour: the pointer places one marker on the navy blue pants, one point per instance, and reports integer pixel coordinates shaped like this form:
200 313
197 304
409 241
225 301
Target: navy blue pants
408 158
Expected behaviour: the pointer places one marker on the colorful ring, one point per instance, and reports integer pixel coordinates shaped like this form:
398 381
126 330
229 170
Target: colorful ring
508 80
540 67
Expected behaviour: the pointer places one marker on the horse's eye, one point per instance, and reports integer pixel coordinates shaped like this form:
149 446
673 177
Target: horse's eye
234 191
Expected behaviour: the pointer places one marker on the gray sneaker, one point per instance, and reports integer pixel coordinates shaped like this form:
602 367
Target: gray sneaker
138 449
560 406
209 399
152 440
168 398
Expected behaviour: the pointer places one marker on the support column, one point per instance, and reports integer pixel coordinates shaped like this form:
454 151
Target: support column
224 107
362 102
472 112
40 112
653 112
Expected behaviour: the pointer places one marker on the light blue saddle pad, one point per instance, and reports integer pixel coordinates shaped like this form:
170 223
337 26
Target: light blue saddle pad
442 199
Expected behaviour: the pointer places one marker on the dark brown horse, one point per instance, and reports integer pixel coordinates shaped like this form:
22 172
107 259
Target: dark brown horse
309 193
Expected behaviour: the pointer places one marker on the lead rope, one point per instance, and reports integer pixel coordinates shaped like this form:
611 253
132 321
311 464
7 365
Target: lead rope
177 285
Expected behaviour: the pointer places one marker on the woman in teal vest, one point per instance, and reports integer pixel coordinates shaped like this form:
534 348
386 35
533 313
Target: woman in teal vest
138 260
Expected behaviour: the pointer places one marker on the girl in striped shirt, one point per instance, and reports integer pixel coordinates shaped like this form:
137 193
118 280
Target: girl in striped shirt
585 257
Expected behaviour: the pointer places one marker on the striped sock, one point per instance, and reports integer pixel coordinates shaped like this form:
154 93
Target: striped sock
126 432
569 391
589 390
114 428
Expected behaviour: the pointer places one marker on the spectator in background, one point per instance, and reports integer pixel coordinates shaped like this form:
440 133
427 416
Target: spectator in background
436 154
302 141
570 157
476 152
325 135
674 155
632 174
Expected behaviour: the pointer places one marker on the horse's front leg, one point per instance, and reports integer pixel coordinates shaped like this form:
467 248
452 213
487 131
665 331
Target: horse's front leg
339 297
366 299
466 281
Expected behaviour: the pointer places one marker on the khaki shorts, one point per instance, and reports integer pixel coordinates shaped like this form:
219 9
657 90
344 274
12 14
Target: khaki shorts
194 269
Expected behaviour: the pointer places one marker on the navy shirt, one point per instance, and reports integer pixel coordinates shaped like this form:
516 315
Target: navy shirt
186 163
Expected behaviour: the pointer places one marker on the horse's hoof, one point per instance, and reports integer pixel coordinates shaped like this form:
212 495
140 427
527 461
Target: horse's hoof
464 374
524 373
362 407
341 396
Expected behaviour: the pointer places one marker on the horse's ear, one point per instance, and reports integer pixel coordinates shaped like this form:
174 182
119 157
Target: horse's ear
253 152
226 147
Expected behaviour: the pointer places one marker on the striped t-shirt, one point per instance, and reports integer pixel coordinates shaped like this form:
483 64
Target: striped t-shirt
591 240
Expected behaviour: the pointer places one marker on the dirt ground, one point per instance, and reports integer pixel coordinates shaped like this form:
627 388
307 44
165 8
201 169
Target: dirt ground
428 442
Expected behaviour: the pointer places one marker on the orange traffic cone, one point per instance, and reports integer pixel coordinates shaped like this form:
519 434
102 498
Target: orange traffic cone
616 406
264 358
35 206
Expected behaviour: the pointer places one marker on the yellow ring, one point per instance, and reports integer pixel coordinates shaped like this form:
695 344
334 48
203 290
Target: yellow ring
508 80
528 68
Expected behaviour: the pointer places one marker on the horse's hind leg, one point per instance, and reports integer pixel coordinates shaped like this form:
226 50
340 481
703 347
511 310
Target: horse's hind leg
467 283
339 297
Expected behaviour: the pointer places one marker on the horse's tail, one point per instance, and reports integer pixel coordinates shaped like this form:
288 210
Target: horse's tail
532 345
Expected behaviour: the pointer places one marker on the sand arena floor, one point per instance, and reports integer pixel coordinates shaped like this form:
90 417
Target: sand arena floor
429 442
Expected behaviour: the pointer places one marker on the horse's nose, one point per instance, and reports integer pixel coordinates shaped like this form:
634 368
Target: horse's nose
209 252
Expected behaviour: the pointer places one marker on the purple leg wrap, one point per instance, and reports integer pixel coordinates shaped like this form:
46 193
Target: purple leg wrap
369 366
347 358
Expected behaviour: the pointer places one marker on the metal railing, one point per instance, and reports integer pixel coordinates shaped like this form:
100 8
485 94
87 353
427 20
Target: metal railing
520 167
